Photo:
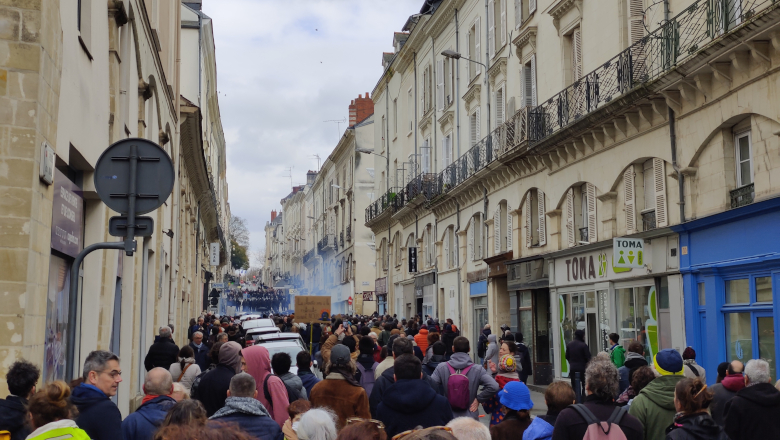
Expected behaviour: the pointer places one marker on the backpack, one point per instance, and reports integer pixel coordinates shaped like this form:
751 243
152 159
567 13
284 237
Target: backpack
292 394
367 378
458 388
598 430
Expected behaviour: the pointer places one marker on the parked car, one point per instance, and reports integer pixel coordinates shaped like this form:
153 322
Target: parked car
249 334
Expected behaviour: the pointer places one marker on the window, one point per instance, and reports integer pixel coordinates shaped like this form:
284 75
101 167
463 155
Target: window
749 319
523 11
528 80
426 156
474 122
500 105
446 151
502 229
651 185
574 43
395 116
476 238
397 248
497 30
84 23
427 90
449 248
744 159
383 254
473 50
410 109
635 17
535 230
580 217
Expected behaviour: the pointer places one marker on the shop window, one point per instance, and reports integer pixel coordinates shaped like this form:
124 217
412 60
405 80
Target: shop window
738 291
702 295
764 289
636 318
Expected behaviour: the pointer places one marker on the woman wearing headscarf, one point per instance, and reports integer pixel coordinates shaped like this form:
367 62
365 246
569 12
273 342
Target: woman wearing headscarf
258 365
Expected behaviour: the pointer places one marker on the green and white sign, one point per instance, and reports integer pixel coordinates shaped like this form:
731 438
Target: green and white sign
628 253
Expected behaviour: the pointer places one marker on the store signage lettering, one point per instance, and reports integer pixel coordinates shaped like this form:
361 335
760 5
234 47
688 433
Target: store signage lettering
580 268
628 252
67 215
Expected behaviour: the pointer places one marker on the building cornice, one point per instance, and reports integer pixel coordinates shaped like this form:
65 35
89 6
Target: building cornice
558 9
473 92
525 37
498 66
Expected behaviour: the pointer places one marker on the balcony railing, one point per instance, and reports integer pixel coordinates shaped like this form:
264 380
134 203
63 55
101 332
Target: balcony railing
648 220
341 240
328 242
349 233
380 205
673 43
308 256
742 196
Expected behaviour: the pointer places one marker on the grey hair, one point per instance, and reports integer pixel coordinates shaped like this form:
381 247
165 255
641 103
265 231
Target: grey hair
157 383
96 361
757 371
468 428
243 385
317 424
601 378
197 334
179 388
165 332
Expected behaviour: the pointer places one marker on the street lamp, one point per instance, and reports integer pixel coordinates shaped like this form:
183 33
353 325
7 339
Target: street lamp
456 56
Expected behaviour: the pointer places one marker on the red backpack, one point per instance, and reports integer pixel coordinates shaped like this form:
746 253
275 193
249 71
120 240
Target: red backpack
458 388
598 430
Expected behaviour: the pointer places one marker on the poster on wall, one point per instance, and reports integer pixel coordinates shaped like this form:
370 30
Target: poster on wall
57 305
66 216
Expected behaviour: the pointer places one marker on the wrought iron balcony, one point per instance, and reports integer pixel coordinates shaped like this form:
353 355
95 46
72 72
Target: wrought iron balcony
349 233
648 220
341 240
308 256
743 196
328 242
381 205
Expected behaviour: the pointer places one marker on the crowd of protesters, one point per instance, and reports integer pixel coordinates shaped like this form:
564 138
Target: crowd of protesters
378 378
262 300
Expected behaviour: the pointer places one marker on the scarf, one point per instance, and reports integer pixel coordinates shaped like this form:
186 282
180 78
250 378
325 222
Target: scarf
244 405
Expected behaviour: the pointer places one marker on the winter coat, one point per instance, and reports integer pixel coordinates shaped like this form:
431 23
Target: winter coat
295 382
722 394
98 415
330 343
654 406
162 353
433 362
578 355
59 430
448 338
201 356
308 379
251 416
493 406
343 398
689 365
409 403
632 362
617 355
384 365
143 423
421 339
753 413
483 342
540 428
510 428
699 426
523 359
383 337
13 417
258 362
383 382
491 354
571 426
477 377
213 387
192 370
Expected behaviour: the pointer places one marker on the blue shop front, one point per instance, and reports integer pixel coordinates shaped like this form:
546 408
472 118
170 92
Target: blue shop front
731 274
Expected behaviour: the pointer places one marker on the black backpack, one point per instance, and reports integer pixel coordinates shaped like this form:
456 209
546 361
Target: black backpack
292 394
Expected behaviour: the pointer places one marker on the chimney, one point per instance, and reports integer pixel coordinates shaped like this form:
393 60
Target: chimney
311 176
360 109
273 216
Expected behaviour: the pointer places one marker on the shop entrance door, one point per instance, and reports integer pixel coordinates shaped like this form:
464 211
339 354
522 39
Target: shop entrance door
591 323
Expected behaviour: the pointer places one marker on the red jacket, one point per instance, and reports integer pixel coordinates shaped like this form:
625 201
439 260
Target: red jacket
421 339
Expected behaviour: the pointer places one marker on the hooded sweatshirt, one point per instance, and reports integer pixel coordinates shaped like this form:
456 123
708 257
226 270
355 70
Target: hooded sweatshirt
295 383
753 413
250 415
492 351
13 417
539 429
409 403
477 377
722 393
632 362
142 424
654 406
699 426
258 363
98 415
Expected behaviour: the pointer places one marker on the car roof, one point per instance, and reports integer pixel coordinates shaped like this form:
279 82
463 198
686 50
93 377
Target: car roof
255 323
264 330
280 336
284 343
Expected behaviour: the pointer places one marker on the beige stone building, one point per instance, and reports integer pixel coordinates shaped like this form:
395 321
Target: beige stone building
575 122
74 78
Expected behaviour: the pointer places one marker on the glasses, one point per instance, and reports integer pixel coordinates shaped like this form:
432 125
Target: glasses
114 374
412 431
359 420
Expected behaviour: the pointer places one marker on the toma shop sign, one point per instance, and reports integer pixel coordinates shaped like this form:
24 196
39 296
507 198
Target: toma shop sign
594 266
580 268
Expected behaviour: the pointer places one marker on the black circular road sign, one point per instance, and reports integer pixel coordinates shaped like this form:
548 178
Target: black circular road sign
154 175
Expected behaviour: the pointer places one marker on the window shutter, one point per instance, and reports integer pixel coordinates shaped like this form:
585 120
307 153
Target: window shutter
500 106
471 238
451 88
629 185
570 236
426 157
531 6
440 85
447 248
497 232
509 230
542 224
533 80
529 224
477 39
478 123
518 13
577 54
473 129
636 28
661 216
503 22
491 22
468 55
592 224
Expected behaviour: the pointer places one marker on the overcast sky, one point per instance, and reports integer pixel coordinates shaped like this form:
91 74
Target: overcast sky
283 68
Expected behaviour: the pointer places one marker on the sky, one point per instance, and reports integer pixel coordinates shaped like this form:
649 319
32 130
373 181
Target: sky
283 68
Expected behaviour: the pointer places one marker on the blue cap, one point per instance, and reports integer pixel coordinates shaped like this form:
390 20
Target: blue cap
668 362
516 396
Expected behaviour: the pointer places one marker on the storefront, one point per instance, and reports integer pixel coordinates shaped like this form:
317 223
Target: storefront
499 306
478 301
380 290
731 272
425 294
529 302
590 294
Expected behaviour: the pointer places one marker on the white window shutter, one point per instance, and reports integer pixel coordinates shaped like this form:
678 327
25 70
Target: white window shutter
542 216
440 85
518 12
576 54
570 235
629 185
592 219
426 157
661 216
468 55
497 232
531 6
471 238
477 40
525 85
478 125
529 224
533 80
509 230
500 109
503 22
447 247
636 26
451 88
491 22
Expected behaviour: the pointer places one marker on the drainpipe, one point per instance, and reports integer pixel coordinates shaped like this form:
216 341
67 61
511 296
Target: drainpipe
680 176
457 90
430 145
487 64
387 176
457 252
415 111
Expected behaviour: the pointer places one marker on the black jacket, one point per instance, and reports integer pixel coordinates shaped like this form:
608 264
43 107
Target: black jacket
13 417
571 426
720 397
483 342
383 382
525 360
201 355
98 415
695 427
407 404
213 387
448 339
753 413
578 355
162 353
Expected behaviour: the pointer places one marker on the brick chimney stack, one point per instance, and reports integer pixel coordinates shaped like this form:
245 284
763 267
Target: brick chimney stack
360 109
273 216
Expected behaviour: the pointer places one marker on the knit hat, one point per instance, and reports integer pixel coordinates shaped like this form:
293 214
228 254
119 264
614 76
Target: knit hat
506 363
668 362
339 355
516 396
689 353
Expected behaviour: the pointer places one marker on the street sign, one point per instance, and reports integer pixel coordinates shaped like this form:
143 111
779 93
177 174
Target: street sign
412 260
628 253
349 300
117 226
218 285
312 308
214 255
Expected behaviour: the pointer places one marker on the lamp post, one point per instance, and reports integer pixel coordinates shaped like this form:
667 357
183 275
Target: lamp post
456 56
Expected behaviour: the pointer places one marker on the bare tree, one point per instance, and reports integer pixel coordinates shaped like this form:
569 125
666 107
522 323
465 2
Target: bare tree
239 231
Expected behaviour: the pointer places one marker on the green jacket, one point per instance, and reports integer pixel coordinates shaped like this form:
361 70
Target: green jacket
618 356
654 406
